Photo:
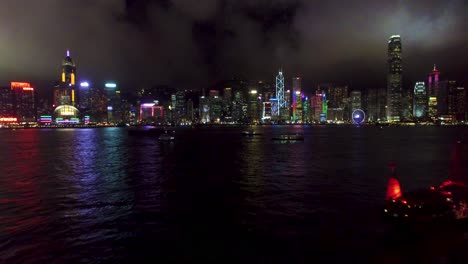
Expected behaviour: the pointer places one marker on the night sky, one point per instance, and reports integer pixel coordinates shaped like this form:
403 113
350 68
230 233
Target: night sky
193 44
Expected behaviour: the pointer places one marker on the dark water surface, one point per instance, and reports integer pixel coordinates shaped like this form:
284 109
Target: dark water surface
101 195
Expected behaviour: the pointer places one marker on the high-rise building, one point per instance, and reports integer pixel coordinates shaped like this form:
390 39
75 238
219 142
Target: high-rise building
356 102
407 105
254 107
216 108
280 92
419 101
204 109
456 101
286 113
24 103
98 104
296 100
6 103
394 79
317 107
114 103
443 97
372 108
433 91
460 104
180 107
190 111
266 111
64 92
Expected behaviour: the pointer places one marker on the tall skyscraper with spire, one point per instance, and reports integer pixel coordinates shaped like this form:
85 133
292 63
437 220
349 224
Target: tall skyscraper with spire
64 93
280 90
433 92
68 70
394 79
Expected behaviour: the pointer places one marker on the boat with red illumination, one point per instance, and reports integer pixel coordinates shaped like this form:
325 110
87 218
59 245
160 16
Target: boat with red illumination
446 202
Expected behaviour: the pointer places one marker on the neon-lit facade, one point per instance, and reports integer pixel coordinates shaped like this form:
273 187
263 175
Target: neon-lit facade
8 119
24 106
6 102
151 111
64 93
66 114
394 79
433 92
280 92
45 119
317 105
267 111
296 100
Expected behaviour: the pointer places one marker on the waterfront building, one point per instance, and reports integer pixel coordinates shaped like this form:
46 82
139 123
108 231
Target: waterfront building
286 112
64 91
24 103
254 107
356 102
461 108
407 105
280 94
296 100
394 79
433 91
372 108
204 109
216 107
419 101
6 103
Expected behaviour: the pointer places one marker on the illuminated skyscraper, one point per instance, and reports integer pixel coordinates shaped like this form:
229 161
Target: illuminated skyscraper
6 102
394 79
24 101
433 91
419 100
64 92
296 100
280 92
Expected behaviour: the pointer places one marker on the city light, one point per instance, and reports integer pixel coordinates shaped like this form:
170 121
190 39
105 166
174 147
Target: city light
8 119
147 104
84 84
20 85
28 89
111 85
253 91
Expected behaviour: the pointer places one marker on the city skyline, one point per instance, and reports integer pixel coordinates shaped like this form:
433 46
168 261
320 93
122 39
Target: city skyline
134 51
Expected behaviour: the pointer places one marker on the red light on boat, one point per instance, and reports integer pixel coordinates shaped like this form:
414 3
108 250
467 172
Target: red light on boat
393 188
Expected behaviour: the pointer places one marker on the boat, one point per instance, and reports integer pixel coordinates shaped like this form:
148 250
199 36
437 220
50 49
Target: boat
435 204
250 132
296 137
166 136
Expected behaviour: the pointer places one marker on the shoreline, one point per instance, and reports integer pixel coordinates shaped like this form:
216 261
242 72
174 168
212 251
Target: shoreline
142 127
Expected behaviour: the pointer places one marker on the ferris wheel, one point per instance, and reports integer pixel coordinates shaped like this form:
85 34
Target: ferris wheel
358 116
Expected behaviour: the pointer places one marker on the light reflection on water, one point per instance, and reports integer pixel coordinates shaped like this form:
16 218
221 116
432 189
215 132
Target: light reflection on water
102 195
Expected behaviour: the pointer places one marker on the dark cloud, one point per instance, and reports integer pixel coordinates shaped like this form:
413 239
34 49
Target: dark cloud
193 44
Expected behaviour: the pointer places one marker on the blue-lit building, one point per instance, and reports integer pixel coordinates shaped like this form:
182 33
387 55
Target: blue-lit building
419 100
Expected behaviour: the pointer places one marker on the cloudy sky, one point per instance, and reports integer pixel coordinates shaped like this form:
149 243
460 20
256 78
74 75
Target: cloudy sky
194 44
